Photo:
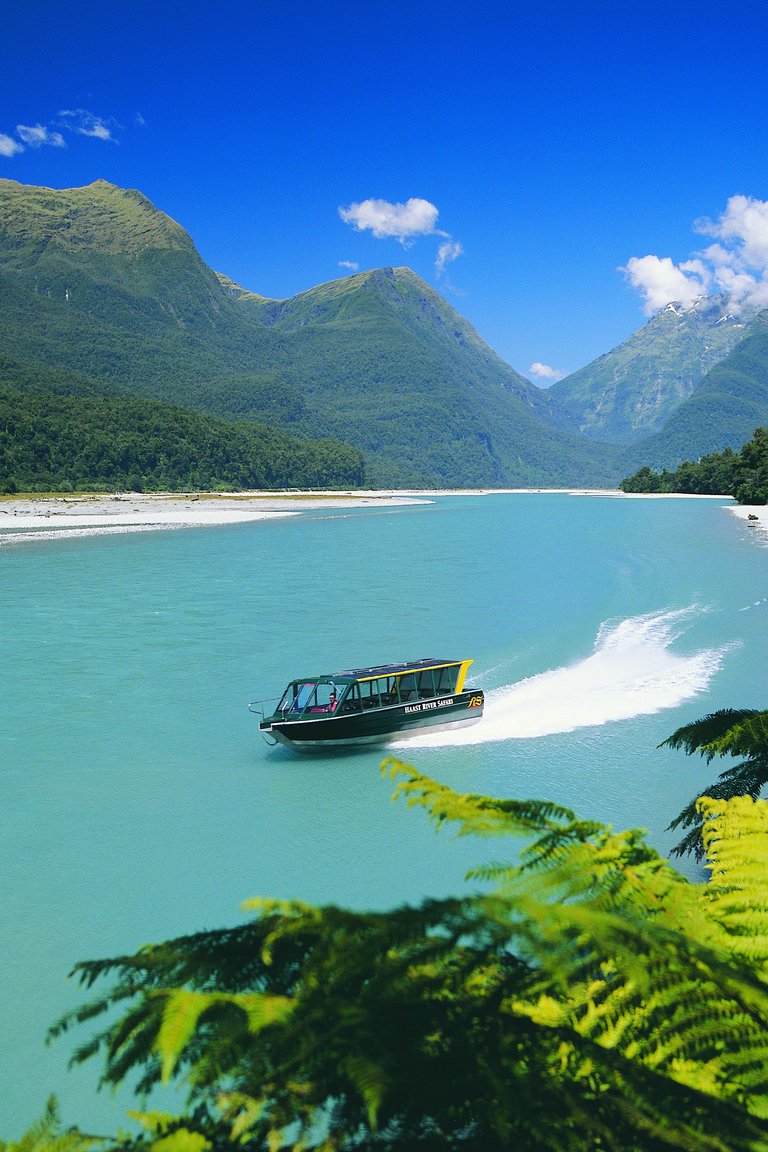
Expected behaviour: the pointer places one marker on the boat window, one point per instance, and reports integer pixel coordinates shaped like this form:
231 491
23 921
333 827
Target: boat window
370 694
287 698
424 683
388 690
446 679
326 695
407 685
352 701
303 695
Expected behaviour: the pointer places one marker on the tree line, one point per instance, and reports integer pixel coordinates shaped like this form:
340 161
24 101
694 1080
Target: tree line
76 443
742 474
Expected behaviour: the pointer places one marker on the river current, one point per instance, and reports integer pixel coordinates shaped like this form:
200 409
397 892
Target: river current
139 801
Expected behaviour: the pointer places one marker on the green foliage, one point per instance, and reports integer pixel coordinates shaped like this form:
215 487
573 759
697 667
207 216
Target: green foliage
46 1135
592 998
729 732
77 443
742 474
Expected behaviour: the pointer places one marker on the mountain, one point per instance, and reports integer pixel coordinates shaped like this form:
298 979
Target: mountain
629 393
98 285
387 364
723 411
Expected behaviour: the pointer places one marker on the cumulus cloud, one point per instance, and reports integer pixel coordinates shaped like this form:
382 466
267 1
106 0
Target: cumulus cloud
736 264
660 281
9 146
403 222
544 372
85 123
36 135
350 265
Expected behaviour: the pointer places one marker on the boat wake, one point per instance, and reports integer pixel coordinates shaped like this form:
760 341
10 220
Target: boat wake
631 672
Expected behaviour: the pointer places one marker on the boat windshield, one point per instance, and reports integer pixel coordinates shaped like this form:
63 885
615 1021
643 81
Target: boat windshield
310 696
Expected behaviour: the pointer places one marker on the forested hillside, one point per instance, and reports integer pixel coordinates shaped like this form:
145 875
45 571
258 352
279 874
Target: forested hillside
78 443
103 295
97 284
723 412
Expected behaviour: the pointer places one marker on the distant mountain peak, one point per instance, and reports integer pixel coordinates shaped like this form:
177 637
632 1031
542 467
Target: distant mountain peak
714 307
631 391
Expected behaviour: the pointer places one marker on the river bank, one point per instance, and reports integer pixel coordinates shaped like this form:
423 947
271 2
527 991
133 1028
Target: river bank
62 516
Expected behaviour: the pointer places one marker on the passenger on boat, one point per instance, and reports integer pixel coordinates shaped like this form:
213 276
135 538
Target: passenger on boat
332 701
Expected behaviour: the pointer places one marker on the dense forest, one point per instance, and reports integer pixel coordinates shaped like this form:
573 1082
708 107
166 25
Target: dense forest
742 474
77 443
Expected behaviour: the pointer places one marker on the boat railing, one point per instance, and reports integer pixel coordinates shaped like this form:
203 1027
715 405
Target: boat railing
259 706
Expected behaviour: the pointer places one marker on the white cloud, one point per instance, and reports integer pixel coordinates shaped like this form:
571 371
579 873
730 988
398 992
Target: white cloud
544 372
402 221
35 135
9 146
736 264
85 123
448 251
744 223
79 121
350 265
660 281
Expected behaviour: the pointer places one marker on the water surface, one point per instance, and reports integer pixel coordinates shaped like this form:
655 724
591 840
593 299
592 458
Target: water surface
139 801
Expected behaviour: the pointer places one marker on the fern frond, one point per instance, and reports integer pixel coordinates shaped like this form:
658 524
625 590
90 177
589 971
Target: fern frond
735 835
369 1080
710 735
475 814
182 1011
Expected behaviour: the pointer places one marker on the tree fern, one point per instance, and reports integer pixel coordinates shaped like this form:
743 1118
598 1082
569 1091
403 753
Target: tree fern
594 998
729 732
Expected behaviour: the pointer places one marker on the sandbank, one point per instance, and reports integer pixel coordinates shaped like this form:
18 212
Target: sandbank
33 517
49 517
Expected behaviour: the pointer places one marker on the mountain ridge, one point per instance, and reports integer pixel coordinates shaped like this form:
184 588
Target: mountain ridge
102 293
379 359
628 393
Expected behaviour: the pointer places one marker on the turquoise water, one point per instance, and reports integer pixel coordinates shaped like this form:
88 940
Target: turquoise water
139 801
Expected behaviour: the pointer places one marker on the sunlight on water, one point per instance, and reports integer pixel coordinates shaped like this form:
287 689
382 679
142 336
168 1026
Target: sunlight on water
632 672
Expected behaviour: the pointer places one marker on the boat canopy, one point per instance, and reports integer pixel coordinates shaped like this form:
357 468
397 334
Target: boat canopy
358 689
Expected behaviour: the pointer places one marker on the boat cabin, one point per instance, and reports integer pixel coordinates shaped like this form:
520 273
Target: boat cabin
361 689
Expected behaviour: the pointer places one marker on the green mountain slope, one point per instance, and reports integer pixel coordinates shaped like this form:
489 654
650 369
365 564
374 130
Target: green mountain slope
386 363
631 392
97 284
722 412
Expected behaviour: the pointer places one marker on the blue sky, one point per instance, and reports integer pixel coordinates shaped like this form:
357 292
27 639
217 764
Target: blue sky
553 169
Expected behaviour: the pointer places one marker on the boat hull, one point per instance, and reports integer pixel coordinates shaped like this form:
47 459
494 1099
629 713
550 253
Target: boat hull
377 726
